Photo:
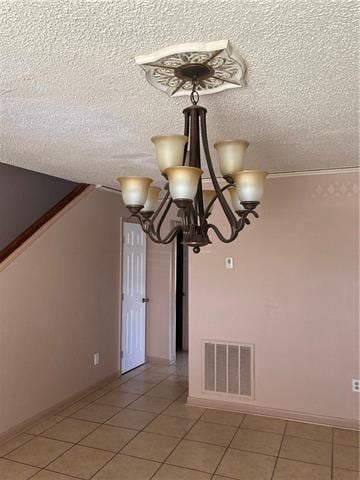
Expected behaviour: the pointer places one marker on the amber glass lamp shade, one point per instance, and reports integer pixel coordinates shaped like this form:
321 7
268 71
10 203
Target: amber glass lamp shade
249 185
231 155
208 195
134 190
183 182
169 150
152 200
235 200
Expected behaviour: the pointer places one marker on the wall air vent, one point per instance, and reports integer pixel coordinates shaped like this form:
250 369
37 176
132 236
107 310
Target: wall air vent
228 368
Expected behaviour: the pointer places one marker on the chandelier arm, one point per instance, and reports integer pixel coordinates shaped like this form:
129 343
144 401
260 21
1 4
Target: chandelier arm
234 231
158 210
163 216
150 230
169 237
225 206
213 200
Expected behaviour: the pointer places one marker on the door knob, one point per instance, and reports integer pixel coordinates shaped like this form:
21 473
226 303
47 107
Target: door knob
145 300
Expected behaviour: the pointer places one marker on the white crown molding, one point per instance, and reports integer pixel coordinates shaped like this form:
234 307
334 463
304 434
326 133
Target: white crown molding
304 173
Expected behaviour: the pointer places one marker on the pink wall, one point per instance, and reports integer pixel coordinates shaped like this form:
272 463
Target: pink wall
293 292
59 304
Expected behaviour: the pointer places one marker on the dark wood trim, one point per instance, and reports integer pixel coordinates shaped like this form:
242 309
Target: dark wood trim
26 234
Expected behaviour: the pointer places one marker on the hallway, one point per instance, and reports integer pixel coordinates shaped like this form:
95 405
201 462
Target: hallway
138 428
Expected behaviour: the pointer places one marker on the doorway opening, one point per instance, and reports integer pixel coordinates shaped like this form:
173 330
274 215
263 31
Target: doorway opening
181 297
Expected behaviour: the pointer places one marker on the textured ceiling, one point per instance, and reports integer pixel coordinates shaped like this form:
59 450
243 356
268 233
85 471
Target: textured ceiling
74 104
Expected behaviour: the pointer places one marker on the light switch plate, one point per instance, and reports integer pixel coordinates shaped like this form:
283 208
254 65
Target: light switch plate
96 358
229 262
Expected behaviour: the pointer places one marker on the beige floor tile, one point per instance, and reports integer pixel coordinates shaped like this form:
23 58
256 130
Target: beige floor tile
67 412
46 475
264 424
292 470
171 392
150 404
346 437
225 418
81 462
167 425
43 425
118 399
135 419
119 381
96 412
93 396
150 446
170 472
122 467
13 443
184 411
70 430
15 471
151 377
135 386
109 438
39 452
178 381
245 465
305 450
213 433
310 431
183 398
346 457
339 474
257 442
197 456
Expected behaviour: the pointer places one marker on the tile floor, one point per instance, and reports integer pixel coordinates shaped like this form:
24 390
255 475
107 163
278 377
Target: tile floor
138 428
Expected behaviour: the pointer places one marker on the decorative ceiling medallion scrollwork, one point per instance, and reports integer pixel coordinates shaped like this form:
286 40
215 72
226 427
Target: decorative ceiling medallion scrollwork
228 68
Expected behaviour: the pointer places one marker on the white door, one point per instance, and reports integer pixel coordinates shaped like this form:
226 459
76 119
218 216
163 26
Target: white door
133 297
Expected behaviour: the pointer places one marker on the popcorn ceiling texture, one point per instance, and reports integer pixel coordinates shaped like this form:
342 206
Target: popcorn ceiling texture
75 105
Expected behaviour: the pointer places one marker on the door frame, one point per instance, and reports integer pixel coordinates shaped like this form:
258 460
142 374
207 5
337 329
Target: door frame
172 309
120 290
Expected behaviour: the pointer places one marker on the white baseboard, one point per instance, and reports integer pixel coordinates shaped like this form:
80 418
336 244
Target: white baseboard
273 412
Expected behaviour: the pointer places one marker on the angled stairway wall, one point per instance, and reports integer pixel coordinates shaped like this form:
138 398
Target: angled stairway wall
59 304
24 197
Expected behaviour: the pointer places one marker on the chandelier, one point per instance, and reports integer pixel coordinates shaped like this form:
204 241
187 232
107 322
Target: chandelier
179 160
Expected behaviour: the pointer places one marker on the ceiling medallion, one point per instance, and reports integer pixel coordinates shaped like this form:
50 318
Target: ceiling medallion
225 68
179 160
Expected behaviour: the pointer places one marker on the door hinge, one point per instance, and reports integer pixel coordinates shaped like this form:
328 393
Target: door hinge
122 296
122 354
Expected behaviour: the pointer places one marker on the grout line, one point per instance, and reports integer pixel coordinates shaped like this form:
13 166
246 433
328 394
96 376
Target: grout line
178 443
278 453
228 446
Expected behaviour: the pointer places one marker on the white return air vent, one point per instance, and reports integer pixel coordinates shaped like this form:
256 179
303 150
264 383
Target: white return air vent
228 368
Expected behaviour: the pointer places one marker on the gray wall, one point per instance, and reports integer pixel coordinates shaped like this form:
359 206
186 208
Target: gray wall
24 197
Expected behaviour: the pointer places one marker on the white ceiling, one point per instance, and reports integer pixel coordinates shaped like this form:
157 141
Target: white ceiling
74 104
